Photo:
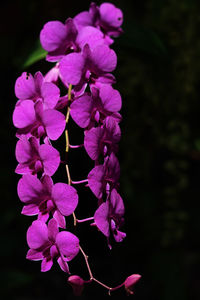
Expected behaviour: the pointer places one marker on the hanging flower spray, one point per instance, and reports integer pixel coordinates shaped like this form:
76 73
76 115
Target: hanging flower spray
83 61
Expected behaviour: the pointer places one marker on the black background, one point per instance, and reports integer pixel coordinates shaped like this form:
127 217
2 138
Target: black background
158 77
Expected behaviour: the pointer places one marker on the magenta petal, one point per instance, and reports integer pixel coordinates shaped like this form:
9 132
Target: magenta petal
24 114
117 203
113 130
23 169
25 87
54 123
83 19
92 142
52 75
113 167
34 255
47 183
101 218
38 77
95 180
63 265
119 236
104 59
81 109
52 230
24 151
72 67
130 282
60 219
91 36
37 235
68 244
30 210
46 265
50 158
110 98
52 35
65 197
43 217
29 189
50 93
111 15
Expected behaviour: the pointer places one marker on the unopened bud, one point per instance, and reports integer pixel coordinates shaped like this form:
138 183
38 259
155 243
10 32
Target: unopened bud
77 284
130 282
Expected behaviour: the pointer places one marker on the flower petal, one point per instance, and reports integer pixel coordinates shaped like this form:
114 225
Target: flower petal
50 93
104 59
83 19
24 152
52 230
101 218
111 15
65 197
91 36
54 123
60 219
30 210
34 255
30 189
24 114
92 142
117 203
81 109
37 235
68 244
63 265
46 264
96 180
52 35
110 98
72 67
50 158
25 87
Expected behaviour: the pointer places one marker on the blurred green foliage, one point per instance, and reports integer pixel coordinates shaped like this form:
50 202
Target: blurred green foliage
158 76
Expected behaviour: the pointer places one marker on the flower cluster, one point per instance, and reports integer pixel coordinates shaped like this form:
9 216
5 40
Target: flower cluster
83 61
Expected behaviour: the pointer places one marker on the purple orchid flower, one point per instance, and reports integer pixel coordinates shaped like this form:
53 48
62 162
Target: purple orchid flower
102 140
34 158
58 38
42 197
61 39
32 88
111 18
109 217
87 110
103 178
33 120
47 243
87 18
107 17
86 66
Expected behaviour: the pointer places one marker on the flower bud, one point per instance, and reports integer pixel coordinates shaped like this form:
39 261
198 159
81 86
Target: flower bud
77 284
130 282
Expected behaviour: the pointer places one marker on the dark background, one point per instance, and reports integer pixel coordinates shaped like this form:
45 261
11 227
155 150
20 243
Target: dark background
158 77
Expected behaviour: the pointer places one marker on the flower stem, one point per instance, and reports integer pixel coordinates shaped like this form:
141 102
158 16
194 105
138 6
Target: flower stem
84 220
78 182
67 140
92 278
87 263
76 146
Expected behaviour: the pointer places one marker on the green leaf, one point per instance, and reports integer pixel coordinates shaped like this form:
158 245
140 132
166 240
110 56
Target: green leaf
138 37
37 54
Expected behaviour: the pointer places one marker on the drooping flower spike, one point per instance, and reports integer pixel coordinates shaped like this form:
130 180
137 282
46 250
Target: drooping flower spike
47 243
80 49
